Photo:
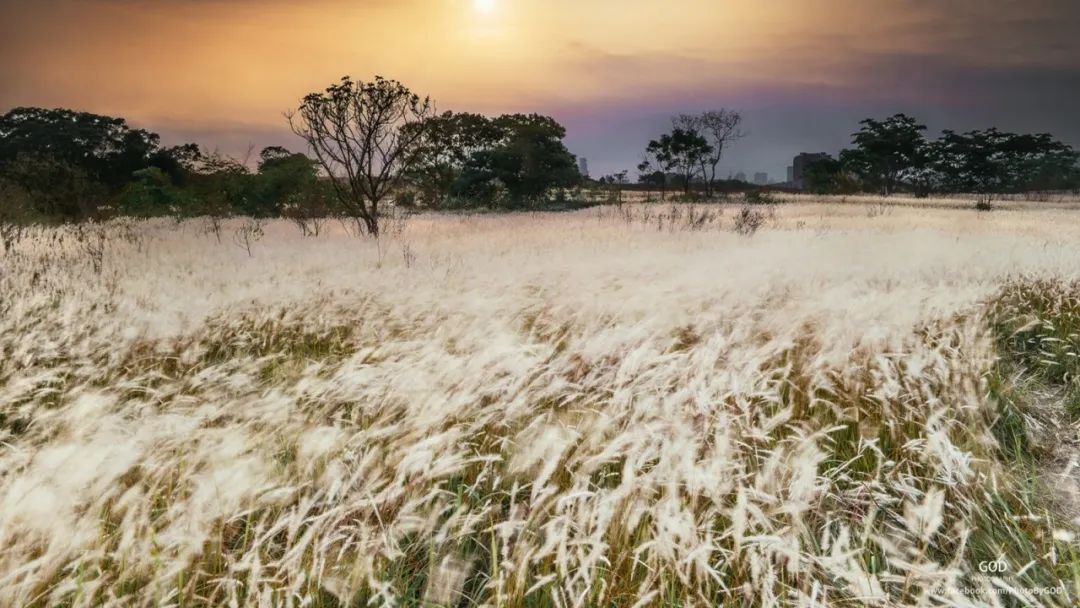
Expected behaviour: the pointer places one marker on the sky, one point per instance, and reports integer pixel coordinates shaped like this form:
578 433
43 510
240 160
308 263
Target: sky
803 73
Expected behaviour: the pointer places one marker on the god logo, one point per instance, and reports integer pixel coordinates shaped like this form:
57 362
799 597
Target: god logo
997 566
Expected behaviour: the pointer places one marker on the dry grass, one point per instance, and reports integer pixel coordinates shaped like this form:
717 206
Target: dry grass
587 409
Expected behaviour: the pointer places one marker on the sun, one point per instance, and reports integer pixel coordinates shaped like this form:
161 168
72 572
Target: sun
484 6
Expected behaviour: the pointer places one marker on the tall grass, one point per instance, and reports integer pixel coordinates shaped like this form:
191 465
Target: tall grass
564 410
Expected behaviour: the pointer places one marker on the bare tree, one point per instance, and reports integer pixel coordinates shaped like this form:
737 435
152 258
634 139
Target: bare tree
247 234
720 128
363 134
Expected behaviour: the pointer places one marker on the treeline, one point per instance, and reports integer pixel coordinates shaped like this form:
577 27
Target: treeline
894 155
376 143
63 165
369 149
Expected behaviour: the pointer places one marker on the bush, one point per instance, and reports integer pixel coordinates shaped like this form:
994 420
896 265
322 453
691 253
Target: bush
405 199
308 210
748 221
759 197
151 194
57 189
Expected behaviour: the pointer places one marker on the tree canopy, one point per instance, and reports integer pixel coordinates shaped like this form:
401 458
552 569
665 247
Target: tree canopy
993 161
893 154
887 152
514 160
104 148
682 152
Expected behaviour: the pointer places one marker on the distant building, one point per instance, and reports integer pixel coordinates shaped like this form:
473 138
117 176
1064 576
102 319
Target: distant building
799 165
790 174
583 166
761 178
740 177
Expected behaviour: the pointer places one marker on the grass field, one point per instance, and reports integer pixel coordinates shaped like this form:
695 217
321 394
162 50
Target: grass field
860 403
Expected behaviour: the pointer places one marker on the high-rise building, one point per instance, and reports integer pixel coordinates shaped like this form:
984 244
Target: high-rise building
800 164
583 166
761 178
790 174
740 177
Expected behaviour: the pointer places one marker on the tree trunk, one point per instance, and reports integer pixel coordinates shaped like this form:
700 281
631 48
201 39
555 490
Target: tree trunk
371 223
712 176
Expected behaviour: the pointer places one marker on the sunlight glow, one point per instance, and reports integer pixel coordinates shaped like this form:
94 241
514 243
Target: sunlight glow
484 6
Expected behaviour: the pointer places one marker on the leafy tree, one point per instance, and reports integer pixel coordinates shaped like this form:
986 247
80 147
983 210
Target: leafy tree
84 160
681 152
614 185
1045 163
1039 162
220 187
887 152
993 161
271 156
650 175
152 193
827 176
720 128
58 189
282 177
178 162
969 162
449 141
364 135
103 149
529 162
893 153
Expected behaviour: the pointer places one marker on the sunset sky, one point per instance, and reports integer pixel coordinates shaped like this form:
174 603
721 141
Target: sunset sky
222 72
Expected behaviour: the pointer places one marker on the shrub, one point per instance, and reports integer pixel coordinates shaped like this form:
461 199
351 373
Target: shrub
248 233
308 211
748 221
405 199
759 197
